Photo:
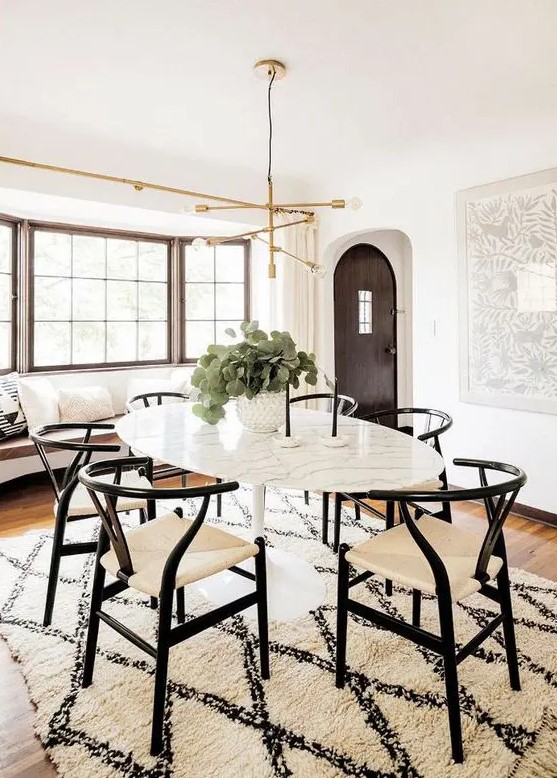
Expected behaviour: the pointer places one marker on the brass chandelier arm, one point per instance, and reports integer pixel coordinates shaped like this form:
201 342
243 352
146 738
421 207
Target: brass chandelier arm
202 208
328 204
137 185
307 262
216 240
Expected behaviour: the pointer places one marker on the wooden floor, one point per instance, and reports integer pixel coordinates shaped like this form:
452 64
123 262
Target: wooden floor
531 546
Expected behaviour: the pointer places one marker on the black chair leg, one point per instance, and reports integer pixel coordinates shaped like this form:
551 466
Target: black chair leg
219 499
306 498
416 607
336 535
325 519
389 523
504 588
180 605
451 675
57 544
161 671
96 605
342 616
262 617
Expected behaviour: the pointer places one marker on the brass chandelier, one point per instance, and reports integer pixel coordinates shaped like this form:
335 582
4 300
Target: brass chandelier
272 70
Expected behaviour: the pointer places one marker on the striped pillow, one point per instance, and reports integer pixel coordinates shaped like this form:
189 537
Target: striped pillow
12 420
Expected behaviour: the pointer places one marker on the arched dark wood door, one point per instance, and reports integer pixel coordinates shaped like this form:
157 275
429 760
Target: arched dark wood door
365 328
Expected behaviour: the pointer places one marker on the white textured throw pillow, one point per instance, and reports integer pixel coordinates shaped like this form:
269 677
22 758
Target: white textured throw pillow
86 403
39 400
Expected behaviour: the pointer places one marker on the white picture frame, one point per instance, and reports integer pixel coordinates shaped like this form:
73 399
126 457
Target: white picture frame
507 278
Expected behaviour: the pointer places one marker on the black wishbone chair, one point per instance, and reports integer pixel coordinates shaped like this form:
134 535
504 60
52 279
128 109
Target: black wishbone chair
431 555
161 469
71 500
159 558
434 424
347 406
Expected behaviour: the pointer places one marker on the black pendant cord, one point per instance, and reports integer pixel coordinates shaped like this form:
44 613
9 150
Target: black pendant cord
270 114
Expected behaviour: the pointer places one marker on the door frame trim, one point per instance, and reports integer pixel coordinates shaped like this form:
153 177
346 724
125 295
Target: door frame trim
395 290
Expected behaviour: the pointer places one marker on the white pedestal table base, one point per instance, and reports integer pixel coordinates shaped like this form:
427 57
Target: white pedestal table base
294 587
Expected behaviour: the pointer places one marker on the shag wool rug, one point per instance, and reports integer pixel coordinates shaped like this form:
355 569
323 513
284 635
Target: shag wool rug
223 721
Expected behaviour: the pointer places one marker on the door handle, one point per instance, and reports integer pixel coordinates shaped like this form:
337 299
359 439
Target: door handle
390 350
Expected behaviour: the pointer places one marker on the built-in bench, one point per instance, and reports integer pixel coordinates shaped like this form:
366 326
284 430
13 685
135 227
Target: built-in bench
18 456
23 446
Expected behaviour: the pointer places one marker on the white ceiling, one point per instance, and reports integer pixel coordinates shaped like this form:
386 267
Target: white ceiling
72 210
368 79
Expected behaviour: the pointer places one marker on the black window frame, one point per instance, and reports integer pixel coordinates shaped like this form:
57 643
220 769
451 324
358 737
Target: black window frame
14 225
183 243
35 227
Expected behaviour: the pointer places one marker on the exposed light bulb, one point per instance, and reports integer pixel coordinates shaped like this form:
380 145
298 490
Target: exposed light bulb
318 270
354 203
199 243
188 209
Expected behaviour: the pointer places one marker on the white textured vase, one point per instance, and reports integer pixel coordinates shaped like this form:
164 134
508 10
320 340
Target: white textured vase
264 413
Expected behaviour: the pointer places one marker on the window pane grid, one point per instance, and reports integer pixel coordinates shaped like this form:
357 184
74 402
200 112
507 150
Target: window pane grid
112 304
215 292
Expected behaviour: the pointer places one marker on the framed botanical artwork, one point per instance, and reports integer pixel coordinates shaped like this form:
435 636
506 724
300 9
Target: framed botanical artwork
507 249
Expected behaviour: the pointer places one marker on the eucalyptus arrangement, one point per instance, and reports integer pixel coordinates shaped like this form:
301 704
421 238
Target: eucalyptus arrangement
257 366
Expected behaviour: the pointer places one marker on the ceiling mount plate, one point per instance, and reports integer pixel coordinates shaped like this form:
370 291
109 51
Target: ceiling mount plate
265 68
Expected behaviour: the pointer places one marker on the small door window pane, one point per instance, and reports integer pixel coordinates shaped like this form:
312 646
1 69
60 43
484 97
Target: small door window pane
365 322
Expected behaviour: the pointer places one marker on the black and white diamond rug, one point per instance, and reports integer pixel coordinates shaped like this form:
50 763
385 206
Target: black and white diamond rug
223 721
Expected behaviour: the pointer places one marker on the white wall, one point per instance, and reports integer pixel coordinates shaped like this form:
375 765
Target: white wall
418 199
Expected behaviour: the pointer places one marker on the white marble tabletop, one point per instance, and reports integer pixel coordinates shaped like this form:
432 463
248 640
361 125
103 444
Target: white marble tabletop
375 457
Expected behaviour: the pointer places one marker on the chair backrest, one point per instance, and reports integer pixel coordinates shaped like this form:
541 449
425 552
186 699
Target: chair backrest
93 475
347 406
426 424
55 436
498 499
147 399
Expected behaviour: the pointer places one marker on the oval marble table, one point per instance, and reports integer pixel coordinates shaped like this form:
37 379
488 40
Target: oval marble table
374 457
